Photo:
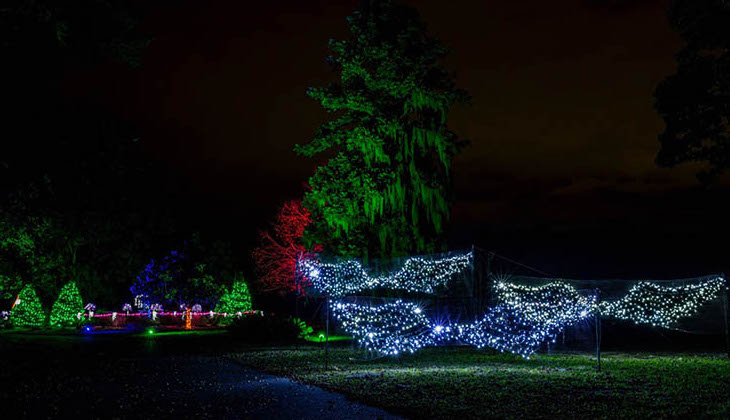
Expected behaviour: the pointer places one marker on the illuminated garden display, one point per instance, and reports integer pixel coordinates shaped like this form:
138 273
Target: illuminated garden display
524 318
235 303
69 311
65 312
237 300
27 310
650 303
417 275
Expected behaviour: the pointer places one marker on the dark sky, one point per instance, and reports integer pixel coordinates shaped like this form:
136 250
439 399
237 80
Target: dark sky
562 126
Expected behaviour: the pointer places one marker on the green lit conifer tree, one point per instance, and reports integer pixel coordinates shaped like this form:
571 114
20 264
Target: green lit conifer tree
67 307
27 311
386 189
237 300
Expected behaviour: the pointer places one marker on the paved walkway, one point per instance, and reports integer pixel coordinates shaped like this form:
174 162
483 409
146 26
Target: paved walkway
216 387
90 378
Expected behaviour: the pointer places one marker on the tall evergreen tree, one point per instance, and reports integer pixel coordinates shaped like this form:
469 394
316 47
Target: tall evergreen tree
386 190
695 102
238 299
69 304
27 310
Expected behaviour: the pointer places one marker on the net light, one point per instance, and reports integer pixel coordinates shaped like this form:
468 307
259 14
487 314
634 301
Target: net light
417 275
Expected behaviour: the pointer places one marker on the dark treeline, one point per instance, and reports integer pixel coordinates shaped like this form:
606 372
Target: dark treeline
80 199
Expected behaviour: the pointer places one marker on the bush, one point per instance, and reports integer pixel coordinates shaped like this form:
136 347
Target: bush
304 329
4 320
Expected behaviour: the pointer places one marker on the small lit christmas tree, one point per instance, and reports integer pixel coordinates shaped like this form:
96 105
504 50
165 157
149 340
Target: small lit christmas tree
27 311
66 309
235 301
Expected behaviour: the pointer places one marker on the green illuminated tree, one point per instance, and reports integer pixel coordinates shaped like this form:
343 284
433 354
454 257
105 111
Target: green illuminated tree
76 165
695 102
27 311
236 300
69 304
386 190
30 253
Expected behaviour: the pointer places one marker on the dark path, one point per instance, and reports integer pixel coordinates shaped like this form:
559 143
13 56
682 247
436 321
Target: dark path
145 377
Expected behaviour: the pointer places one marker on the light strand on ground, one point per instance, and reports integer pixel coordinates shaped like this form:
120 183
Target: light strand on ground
418 274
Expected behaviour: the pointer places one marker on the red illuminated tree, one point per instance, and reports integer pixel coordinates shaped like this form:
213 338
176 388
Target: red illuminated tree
281 246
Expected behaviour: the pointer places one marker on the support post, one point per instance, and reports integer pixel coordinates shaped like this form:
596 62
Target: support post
597 317
475 284
726 313
327 331
488 296
296 301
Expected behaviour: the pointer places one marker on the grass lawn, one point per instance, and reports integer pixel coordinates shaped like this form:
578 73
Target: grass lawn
320 337
466 383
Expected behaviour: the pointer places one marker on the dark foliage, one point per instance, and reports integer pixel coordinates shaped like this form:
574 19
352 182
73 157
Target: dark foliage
195 274
695 102
386 190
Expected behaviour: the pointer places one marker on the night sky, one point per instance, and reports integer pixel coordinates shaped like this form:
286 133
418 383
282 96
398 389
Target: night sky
560 172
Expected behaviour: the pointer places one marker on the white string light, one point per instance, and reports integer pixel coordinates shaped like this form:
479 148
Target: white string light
401 327
505 328
525 318
417 275
662 306
389 329
554 305
645 303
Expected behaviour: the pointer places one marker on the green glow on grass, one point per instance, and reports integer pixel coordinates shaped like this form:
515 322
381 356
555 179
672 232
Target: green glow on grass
320 338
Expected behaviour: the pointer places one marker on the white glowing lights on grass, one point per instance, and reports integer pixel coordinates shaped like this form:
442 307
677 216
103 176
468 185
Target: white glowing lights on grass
417 275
